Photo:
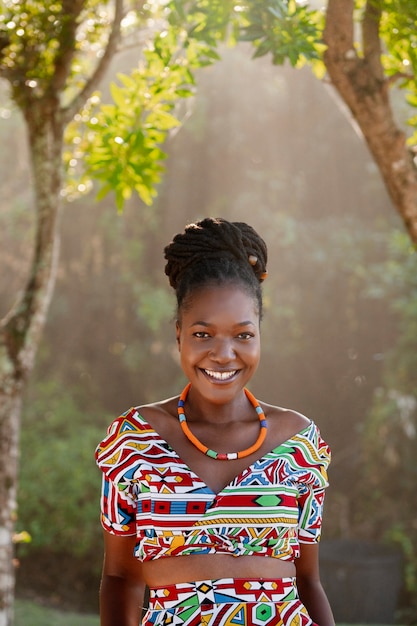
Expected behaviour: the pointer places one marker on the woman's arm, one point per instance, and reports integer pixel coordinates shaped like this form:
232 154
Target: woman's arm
122 586
312 594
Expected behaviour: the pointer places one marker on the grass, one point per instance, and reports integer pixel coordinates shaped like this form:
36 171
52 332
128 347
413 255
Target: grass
28 613
31 614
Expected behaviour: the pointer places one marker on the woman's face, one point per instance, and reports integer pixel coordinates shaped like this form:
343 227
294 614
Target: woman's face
219 341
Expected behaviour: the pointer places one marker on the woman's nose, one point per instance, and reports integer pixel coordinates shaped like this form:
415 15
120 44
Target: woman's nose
222 351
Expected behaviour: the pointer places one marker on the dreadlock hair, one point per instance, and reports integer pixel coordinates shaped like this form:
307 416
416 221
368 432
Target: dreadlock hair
214 251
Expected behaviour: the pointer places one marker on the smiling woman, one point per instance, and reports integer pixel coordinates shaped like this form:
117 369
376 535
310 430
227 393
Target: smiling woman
213 499
218 337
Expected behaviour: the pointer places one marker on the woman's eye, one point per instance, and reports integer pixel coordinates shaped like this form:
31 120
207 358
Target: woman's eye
201 334
245 336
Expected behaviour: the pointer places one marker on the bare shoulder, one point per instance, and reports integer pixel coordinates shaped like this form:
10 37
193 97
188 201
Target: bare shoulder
156 413
285 422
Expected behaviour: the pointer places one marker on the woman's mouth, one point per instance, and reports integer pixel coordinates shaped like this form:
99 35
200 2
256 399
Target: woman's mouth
220 375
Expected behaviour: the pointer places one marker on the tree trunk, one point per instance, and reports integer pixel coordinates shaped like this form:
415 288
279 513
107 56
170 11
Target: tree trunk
361 84
10 405
21 329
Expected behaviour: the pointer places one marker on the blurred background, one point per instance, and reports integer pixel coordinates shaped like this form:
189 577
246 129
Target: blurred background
270 146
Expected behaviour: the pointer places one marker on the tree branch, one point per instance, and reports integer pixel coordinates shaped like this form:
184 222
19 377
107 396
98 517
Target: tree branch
23 325
339 29
4 42
363 89
340 56
370 37
68 112
70 13
398 76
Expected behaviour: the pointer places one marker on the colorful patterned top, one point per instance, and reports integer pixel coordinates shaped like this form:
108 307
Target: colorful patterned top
267 509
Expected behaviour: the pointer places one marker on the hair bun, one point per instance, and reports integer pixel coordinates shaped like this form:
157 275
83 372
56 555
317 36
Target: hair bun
215 239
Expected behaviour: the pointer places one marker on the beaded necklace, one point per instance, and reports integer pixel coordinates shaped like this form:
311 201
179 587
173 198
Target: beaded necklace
229 456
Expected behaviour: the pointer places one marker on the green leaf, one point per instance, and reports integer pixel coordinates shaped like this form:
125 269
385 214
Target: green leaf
161 120
263 49
102 193
118 95
127 81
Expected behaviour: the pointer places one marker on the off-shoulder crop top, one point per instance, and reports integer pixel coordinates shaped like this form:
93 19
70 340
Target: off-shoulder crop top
268 509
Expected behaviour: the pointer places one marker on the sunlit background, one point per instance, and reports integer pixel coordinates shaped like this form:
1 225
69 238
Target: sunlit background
262 144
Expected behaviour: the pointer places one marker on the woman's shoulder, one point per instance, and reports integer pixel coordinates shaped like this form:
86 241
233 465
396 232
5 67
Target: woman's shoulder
286 422
157 413
141 413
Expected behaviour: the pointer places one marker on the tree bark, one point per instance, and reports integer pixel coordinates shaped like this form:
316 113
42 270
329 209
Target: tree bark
21 330
10 403
360 82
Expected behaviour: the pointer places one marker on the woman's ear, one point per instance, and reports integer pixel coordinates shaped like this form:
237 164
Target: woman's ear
178 334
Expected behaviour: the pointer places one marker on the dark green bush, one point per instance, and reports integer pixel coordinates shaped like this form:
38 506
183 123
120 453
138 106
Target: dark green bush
59 483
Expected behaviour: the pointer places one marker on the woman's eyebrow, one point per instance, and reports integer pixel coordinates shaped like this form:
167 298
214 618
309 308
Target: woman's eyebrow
207 324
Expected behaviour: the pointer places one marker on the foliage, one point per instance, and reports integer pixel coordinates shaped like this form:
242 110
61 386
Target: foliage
53 51
31 36
58 484
290 30
204 21
285 29
121 143
30 613
399 33
390 430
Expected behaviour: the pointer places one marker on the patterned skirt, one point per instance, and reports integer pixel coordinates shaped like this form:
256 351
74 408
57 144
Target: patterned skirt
227 602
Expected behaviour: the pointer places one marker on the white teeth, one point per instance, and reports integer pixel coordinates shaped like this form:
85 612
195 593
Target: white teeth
220 375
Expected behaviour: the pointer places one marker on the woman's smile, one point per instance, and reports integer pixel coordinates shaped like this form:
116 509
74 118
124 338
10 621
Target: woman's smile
222 376
219 341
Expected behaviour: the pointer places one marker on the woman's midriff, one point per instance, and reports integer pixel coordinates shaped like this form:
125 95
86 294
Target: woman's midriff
181 569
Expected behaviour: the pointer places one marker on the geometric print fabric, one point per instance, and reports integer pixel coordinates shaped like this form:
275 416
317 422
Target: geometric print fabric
265 510
223 590
227 602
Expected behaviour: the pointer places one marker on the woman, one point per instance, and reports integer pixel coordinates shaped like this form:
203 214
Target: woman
213 499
